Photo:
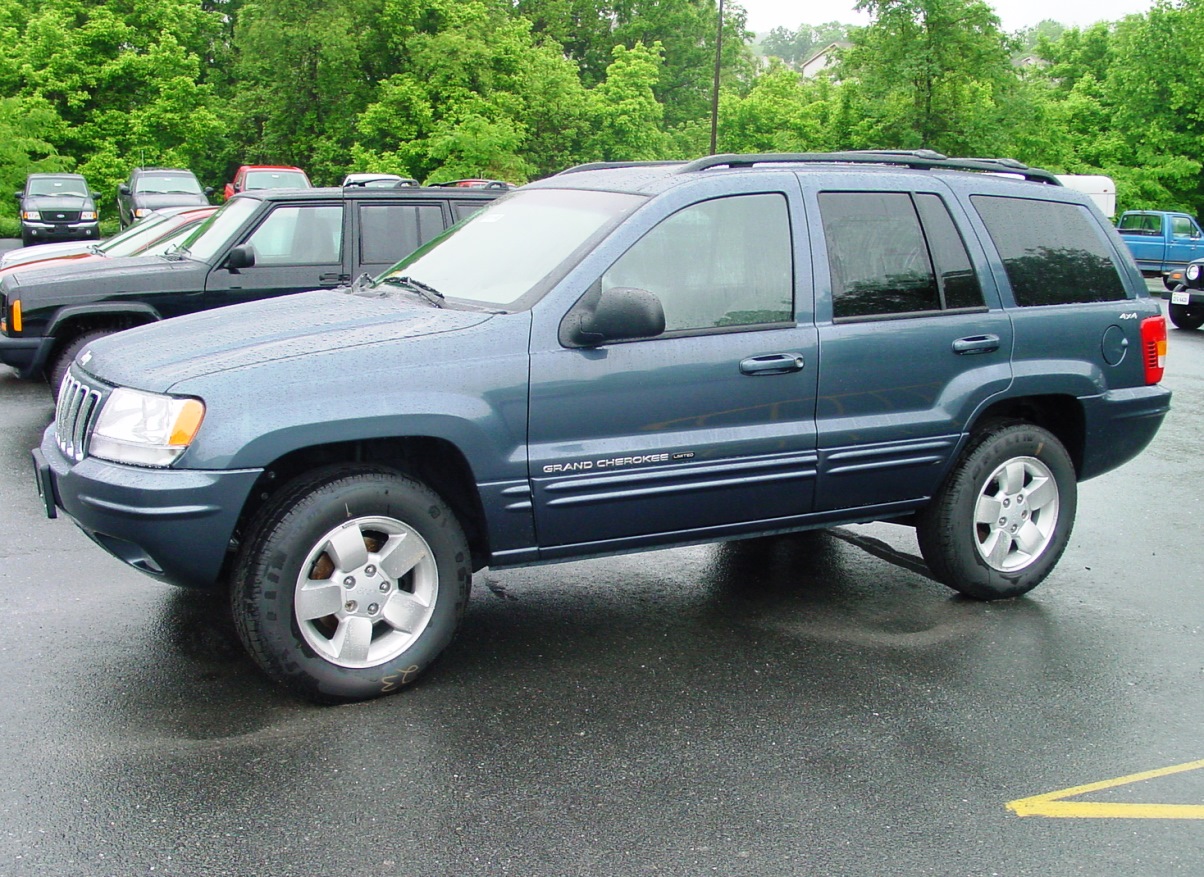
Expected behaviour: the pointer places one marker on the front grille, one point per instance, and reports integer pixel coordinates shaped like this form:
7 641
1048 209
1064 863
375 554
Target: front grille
78 408
61 215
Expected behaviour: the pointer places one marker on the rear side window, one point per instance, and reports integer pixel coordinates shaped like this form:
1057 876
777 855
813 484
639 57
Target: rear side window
892 254
1053 253
390 231
465 209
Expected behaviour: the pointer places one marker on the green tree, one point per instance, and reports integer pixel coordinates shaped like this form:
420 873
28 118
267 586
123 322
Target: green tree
929 73
626 114
126 78
476 94
27 127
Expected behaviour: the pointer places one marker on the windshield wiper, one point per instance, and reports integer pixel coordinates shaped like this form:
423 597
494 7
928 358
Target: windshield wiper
177 253
424 290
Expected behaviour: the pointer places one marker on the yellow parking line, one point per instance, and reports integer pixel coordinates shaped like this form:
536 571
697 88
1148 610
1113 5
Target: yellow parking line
1054 805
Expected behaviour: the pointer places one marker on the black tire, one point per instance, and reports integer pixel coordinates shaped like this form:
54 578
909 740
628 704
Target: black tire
26 239
1187 317
1022 475
324 544
62 358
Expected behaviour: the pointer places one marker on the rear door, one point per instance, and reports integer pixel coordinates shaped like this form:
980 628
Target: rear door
384 231
913 338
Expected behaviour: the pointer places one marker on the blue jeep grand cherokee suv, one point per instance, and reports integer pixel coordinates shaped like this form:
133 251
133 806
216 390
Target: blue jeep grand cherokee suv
619 358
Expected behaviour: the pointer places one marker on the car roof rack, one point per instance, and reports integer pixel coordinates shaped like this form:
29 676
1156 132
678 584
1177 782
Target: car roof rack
611 165
922 159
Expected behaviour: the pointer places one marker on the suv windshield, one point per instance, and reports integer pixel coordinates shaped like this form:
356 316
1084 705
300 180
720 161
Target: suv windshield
276 180
164 184
211 236
58 186
499 254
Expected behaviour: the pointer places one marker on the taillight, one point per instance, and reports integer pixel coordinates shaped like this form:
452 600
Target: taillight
1153 346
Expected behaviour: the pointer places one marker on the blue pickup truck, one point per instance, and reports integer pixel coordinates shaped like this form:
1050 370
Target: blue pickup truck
1161 242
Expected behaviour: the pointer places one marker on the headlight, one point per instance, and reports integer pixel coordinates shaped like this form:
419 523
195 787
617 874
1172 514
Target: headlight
145 429
1193 271
30 214
88 214
140 212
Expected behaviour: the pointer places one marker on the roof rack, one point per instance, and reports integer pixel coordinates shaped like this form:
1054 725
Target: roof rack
917 158
610 165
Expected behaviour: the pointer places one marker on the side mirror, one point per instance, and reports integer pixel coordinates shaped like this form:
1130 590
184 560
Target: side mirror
623 313
123 188
240 257
18 195
208 191
93 195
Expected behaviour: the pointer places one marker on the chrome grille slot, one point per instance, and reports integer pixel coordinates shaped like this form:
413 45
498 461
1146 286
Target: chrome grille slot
77 409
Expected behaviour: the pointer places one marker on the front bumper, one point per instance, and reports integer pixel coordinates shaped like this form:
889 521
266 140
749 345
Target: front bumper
27 355
1186 295
173 524
61 231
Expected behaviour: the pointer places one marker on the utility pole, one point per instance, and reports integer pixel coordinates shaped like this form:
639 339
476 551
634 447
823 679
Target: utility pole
715 89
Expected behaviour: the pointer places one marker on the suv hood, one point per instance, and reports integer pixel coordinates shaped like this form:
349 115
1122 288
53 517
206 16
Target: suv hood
161 355
87 279
56 202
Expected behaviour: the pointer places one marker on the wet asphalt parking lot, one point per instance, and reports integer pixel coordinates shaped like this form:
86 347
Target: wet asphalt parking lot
807 705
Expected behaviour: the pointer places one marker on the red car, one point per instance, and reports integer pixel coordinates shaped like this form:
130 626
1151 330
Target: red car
267 176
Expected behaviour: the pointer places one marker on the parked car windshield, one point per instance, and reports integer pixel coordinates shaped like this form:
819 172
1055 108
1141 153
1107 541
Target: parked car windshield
133 238
165 184
211 236
58 186
276 180
501 253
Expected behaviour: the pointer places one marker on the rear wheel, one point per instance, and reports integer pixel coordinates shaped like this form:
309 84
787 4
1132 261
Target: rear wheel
1003 517
1187 316
351 583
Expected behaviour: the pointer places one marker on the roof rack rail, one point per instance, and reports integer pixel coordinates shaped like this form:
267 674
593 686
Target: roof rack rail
609 165
918 159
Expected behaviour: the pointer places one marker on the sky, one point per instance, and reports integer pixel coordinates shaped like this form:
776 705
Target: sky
764 15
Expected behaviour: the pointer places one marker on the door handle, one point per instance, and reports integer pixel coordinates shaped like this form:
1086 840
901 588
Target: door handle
976 344
333 279
772 364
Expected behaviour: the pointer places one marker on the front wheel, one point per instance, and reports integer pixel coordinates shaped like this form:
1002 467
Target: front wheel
1003 517
351 583
1187 317
64 356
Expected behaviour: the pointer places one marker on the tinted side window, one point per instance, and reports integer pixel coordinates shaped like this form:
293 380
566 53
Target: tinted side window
303 235
390 231
878 256
716 264
465 209
1052 253
958 282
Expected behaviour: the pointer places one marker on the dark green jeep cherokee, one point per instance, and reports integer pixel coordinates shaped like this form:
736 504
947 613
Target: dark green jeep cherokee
259 244
616 359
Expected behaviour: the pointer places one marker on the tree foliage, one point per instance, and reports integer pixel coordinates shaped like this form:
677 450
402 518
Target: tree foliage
518 89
